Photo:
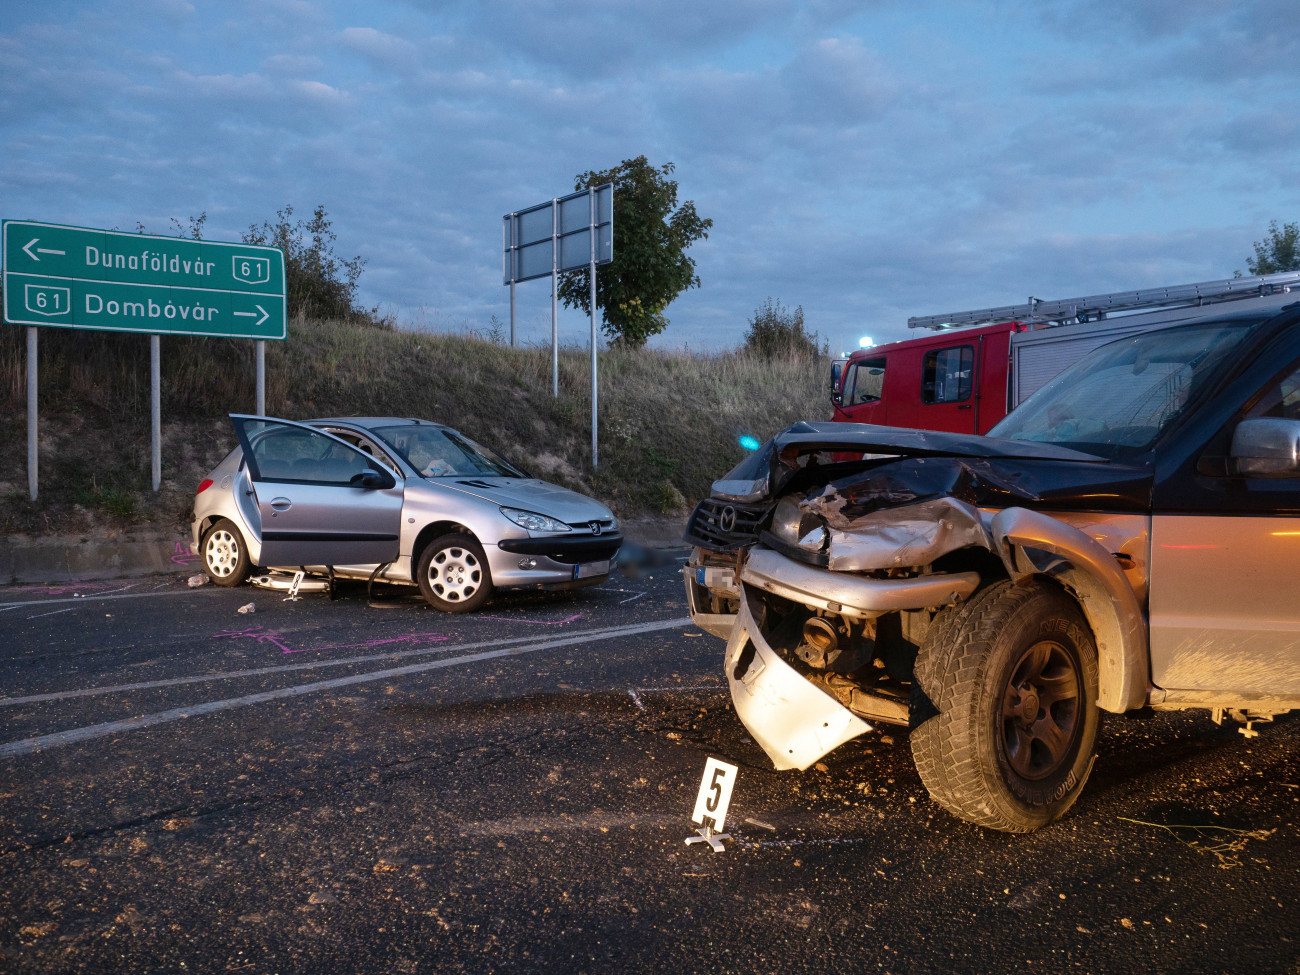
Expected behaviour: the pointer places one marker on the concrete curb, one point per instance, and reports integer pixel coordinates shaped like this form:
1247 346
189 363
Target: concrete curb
37 560
27 560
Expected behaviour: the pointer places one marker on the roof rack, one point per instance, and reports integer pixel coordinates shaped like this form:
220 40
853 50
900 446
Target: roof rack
1097 307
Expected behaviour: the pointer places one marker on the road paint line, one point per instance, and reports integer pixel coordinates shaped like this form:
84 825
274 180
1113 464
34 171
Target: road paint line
52 613
29 746
89 597
613 631
521 619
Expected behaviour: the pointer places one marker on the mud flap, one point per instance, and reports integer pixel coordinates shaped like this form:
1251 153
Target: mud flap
793 721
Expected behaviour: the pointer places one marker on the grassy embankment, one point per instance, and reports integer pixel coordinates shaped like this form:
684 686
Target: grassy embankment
669 421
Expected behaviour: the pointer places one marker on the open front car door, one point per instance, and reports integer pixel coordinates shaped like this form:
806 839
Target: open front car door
321 501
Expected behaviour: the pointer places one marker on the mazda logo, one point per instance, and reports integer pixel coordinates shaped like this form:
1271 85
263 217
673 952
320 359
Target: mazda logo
728 520
595 528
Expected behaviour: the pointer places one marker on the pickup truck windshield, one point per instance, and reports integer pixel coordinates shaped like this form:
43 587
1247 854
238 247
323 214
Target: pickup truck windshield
1116 400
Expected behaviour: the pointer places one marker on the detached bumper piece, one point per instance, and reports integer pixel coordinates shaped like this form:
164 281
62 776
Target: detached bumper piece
791 719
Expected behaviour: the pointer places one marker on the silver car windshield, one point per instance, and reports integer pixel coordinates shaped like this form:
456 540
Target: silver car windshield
1117 399
439 452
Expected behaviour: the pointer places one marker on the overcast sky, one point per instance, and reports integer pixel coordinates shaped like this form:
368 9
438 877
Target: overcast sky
865 160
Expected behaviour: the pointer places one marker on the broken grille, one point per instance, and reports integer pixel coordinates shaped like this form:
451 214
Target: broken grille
724 525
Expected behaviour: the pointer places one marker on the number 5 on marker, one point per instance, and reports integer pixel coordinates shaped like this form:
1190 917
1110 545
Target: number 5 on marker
715 794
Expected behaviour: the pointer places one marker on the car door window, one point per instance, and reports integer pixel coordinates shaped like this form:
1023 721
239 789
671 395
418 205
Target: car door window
298 456
365 445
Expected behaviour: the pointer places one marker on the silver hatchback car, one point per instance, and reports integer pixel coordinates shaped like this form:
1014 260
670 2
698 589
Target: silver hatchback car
398 500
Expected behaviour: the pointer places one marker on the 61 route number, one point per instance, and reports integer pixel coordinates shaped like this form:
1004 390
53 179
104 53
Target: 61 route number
44 299
715 794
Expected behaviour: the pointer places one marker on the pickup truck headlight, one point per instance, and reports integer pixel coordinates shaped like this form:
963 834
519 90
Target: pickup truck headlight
792 525
534 522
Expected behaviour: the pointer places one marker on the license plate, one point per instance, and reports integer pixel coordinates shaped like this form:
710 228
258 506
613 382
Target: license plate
588 569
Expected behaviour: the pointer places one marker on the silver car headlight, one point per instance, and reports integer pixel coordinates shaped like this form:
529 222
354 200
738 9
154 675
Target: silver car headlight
534 522
793 526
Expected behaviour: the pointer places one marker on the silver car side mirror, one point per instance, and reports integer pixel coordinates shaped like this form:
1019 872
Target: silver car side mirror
1267 447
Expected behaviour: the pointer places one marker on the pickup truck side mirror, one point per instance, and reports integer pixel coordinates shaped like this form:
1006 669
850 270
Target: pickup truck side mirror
1266 447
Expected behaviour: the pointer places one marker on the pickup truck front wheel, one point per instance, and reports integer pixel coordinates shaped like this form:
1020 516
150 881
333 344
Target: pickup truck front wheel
1006 697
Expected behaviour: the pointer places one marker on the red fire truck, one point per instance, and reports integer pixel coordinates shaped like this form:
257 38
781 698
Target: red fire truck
982 363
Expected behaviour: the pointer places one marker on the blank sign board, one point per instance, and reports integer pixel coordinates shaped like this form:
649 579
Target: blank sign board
557 235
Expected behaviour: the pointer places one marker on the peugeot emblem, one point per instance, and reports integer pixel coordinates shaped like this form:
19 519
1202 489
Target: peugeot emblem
595 528
728 520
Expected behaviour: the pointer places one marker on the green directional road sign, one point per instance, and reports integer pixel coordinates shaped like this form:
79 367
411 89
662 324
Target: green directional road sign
71 277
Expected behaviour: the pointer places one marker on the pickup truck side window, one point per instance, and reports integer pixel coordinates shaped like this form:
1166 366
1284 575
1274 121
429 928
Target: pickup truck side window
1281 398
947 374
868 381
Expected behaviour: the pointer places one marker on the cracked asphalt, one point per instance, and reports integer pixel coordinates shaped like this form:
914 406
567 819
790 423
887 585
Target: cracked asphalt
365 785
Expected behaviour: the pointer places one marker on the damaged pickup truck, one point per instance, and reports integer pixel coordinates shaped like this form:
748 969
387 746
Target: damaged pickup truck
1127 538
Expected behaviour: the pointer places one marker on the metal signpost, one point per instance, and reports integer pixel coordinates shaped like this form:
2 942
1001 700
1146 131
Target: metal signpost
107 280
562 234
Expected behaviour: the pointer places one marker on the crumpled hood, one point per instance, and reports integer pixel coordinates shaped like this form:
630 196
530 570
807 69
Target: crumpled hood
908 466
530 494
910 508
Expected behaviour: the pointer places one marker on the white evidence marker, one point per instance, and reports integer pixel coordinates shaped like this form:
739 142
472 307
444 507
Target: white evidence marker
712 802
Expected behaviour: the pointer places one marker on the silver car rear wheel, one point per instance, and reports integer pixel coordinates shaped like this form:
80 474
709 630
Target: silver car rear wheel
225 556
453 574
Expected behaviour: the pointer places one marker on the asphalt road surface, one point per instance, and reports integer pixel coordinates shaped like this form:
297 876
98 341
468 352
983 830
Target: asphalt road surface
366 785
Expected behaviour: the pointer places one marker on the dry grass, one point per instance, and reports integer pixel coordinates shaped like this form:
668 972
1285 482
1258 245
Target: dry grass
669 422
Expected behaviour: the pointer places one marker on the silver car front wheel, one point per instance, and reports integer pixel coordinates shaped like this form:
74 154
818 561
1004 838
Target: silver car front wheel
453 574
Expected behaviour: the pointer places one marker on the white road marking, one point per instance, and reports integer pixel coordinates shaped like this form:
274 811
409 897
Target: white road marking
441 648
29 746
51 613
93 596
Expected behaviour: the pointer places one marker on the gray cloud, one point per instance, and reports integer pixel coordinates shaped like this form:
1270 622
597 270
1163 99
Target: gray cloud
865 161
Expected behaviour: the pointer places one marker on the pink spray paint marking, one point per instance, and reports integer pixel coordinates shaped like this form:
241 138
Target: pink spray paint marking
516 619
255 633
182 555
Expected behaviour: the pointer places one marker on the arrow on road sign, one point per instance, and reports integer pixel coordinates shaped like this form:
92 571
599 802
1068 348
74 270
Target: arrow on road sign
253 314
27 248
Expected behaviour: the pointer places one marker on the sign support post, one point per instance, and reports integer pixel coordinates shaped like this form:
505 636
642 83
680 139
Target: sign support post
530 251
155 409
57 276
260 353
555 303
591 271
31 411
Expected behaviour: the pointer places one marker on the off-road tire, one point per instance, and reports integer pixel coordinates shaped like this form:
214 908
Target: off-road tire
224 554
1004 706
453 574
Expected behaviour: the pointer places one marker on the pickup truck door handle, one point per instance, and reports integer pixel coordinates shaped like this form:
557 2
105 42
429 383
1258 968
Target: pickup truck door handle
965 406
281 504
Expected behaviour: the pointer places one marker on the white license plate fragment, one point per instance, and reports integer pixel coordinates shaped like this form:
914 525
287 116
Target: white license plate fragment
588 569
